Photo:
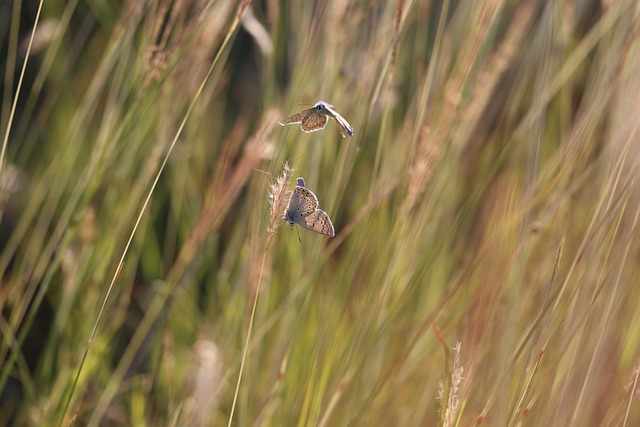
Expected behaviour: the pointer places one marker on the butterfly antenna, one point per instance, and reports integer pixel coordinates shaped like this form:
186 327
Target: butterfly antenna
298 231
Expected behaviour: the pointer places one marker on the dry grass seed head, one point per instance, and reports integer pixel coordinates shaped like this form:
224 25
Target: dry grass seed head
278 196
205 383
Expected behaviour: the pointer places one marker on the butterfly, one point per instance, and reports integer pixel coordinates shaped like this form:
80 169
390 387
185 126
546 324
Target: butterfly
303 210
315 118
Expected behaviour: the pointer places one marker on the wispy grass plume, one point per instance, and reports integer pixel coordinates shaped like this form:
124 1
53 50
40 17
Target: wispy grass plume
206 381
449 390
278 194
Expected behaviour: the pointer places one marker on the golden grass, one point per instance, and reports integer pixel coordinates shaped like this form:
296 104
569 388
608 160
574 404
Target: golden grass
485 263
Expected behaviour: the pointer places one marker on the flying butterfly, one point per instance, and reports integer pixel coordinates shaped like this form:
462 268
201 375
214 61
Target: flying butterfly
315 118
303 210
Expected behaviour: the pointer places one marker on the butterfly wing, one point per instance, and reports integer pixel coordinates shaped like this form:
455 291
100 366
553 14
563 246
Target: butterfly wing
292 120
301 204
311 120
309 201
314 121
343 125
319 222
303 210
296 118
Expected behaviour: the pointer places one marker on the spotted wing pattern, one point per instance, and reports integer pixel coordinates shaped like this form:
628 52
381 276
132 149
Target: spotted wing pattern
319 222
343 125
311 120
314 121
303 210
296 118
301 204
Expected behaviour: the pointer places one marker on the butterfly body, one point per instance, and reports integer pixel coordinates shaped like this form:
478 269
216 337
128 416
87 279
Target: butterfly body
303 210
316 118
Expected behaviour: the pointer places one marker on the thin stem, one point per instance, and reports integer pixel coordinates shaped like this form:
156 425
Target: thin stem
5 141
232 29
248 339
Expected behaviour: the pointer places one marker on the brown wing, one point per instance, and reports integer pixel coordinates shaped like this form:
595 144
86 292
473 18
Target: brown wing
296 118
292 120
343 125
314 121
308 200
301 204
319 222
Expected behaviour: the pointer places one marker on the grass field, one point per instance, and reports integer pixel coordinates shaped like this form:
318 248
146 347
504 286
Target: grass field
486 263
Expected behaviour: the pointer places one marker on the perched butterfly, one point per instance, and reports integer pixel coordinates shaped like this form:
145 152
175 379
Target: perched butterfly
313 119
303 210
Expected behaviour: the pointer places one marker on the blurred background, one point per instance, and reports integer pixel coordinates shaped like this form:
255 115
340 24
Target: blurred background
485 268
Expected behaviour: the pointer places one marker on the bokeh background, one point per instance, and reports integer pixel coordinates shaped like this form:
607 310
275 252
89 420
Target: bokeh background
486 265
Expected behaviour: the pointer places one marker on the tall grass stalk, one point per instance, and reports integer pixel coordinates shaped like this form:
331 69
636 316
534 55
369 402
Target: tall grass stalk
278 197
488 197
98 414
16 96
